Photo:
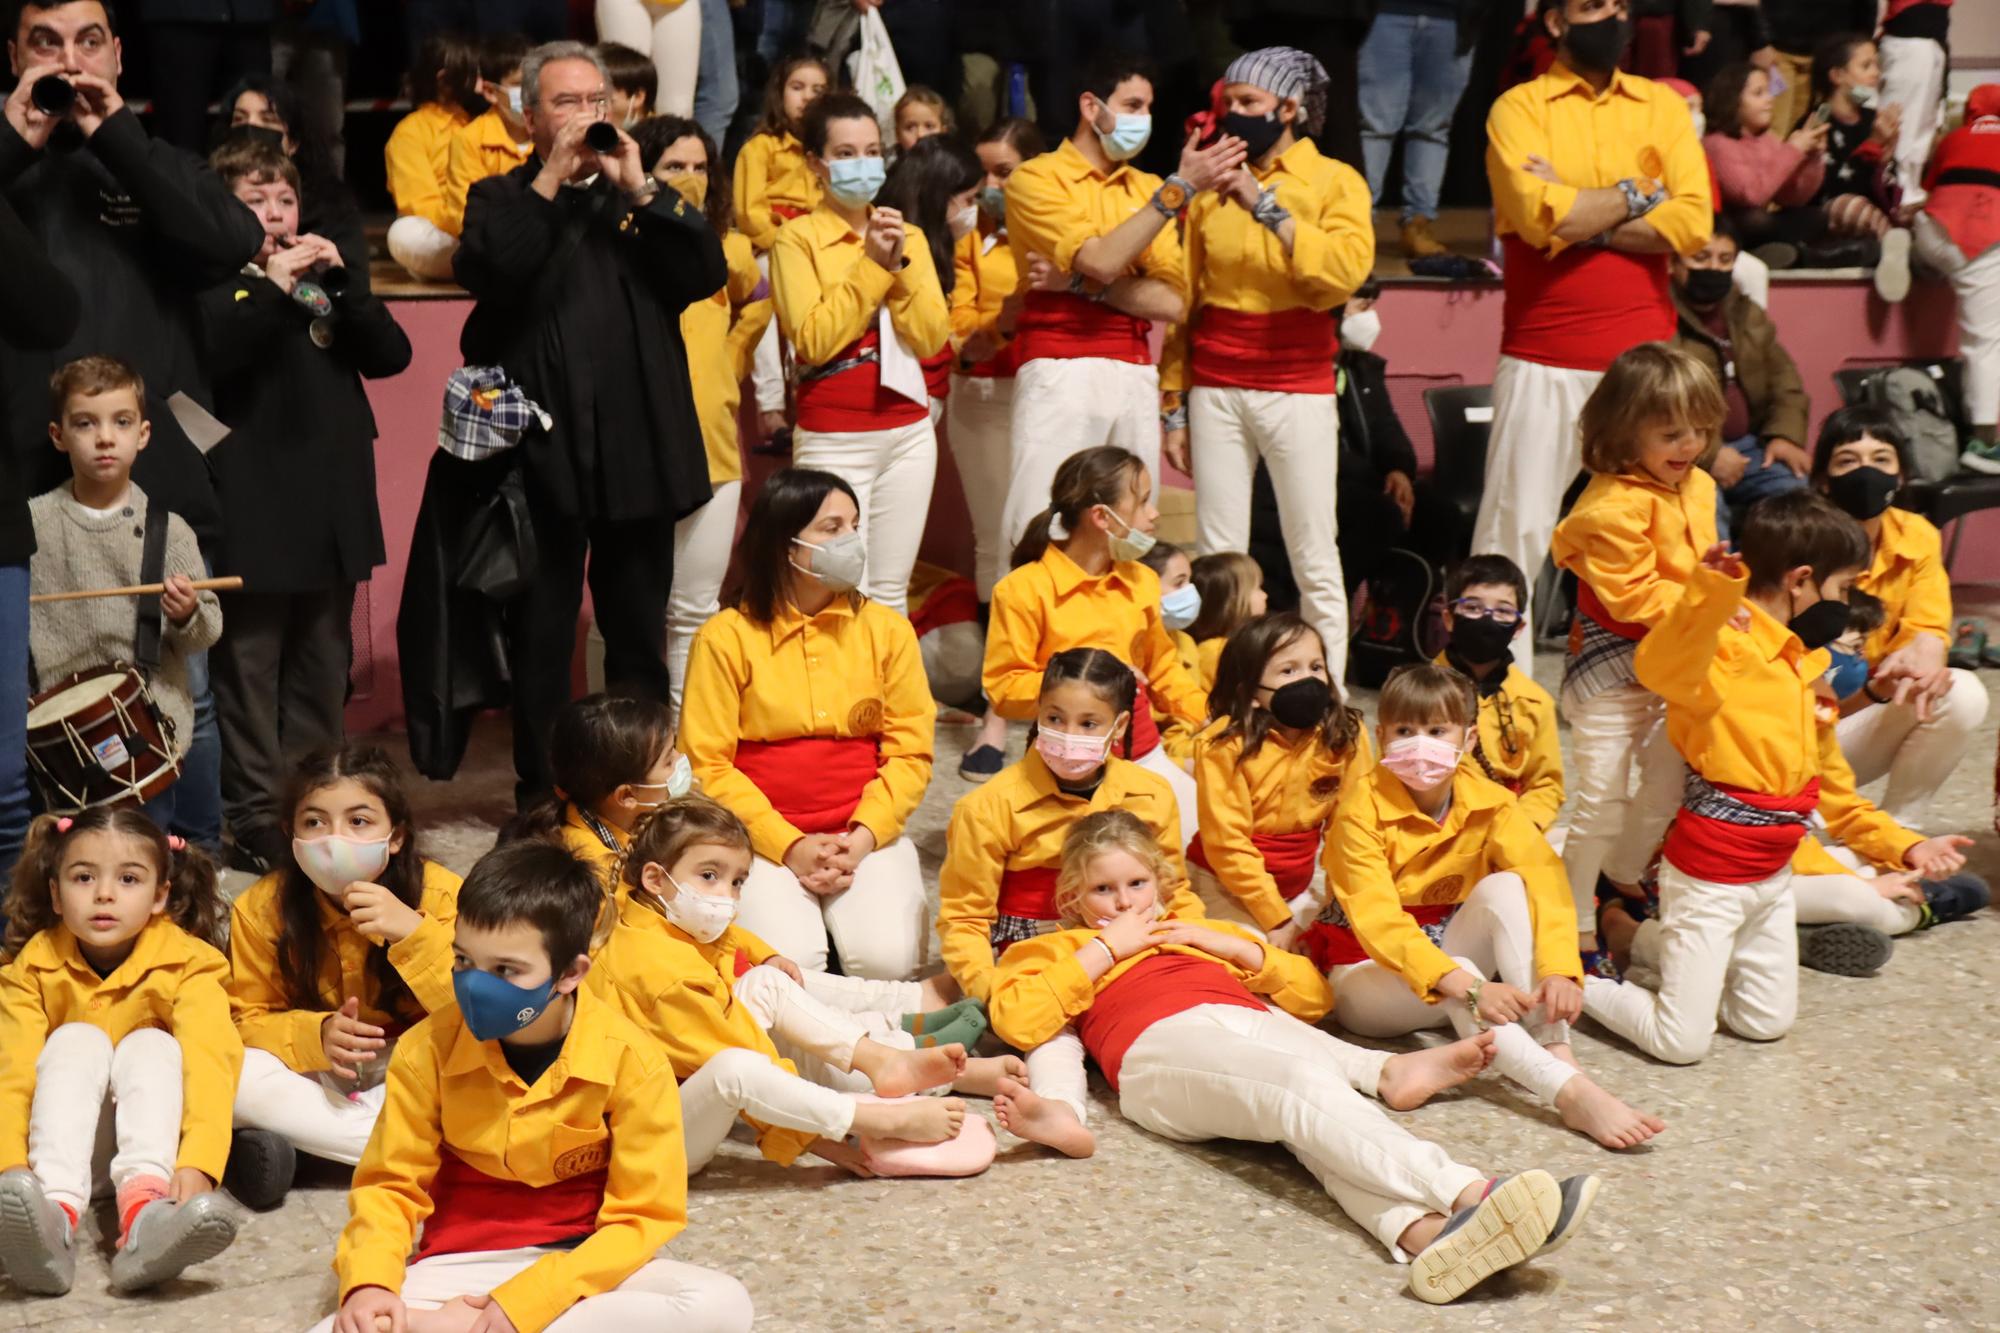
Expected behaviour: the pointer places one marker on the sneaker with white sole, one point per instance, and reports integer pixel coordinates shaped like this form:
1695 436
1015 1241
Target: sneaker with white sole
1892 270
1501 1230
1578 1193
167 1237
1844 949
37 1241
1981 458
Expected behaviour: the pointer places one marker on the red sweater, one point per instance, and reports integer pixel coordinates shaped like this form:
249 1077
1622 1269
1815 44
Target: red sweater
1964 177
1762 169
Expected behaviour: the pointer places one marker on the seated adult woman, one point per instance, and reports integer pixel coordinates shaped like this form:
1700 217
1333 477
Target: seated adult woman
807 714
1915 718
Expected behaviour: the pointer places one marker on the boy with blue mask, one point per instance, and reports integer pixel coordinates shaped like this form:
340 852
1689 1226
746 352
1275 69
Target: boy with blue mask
495 141
558 1171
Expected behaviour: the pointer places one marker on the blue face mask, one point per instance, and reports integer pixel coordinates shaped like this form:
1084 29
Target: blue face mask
494 1007
1127 136
854 181
993 203
1847 674
1181 607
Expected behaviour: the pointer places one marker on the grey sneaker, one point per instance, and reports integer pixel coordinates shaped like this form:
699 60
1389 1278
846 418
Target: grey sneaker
1501 1230
1845 949
36 1245
1981 458
166 1237
1578 1193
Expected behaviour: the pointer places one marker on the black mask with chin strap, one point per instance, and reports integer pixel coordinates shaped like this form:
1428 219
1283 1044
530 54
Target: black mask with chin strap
1258 133
1863 492
1820 624
1302 703
1596 48
1709 286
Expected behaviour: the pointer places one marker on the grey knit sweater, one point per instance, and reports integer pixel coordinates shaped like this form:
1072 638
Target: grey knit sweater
75 549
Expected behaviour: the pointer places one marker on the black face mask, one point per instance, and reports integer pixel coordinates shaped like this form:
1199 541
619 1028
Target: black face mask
1596 48
1480 641
1303 703
1708 286
1863 492
1258 133
255 134
1819 624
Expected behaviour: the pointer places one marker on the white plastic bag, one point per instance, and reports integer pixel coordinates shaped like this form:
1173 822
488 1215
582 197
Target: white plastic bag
878 79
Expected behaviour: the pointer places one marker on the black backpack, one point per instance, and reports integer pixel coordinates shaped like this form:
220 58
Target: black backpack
1402 622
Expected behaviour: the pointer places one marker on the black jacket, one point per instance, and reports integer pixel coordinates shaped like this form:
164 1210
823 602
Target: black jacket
596 341
297 473
140 228
1373 442
38 308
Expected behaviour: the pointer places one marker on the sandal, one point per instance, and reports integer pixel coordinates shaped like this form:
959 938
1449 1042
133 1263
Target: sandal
1968 645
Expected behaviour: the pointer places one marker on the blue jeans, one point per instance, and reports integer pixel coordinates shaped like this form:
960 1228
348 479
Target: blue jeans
1759 483
1411 80
197 796
16 805
715 91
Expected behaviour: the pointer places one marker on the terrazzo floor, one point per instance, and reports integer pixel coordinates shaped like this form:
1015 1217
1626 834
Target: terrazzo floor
1839 1179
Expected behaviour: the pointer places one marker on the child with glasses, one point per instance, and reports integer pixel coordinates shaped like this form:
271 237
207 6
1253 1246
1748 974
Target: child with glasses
1515 743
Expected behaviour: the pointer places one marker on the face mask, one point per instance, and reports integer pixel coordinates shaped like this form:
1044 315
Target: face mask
1421 761
1819 624
1180 607
1359 331
680 781
838 562
1708 286
691 186
1480 641
1863 492
1301 703
993 203
1847 675
1134 544
963 221
1071 757
1258 133
854 181
1597 48
494 1007
1862 95
701 916
256 134
336 861
1126 137
514 100
1700 119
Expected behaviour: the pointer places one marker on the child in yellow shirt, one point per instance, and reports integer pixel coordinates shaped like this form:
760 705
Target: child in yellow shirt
1516 743
1180 604
1268 769
1231 587
331 957
531 1132
1742 710
774 184
1449 907
113 988
1206 1033
444 87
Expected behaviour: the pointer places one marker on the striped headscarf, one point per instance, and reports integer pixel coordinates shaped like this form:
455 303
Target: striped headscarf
1285 71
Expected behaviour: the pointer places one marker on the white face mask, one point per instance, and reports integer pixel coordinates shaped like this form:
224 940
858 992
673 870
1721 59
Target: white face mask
680 781
1700 123
1358 332
838 562
963 221
336 861
702 917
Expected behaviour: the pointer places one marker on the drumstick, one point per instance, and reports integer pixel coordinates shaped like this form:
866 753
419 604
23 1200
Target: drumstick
231 584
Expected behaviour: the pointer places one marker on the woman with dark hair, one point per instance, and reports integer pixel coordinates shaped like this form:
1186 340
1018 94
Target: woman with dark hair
266 108
807 715
444 90
721 335
935 184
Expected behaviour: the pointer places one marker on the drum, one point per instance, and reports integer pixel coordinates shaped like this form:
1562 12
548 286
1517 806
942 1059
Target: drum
98 738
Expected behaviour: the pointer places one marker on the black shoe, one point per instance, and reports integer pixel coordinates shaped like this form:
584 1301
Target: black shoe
981 762
1777 255
261 1167
1844 949
1953 898
1852 252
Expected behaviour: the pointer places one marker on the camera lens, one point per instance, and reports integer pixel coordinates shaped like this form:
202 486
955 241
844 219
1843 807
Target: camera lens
52 95
601 137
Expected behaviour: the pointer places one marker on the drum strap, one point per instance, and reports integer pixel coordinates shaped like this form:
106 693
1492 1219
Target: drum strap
152 567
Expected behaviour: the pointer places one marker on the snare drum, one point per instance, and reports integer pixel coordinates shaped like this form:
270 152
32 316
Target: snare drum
98 738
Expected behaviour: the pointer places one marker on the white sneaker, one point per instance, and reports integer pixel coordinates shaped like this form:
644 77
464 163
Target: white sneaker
1892 271
37 1242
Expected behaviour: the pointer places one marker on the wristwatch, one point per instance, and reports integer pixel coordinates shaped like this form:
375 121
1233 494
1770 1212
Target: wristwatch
1079 286
1638 201
1268 210
1171 197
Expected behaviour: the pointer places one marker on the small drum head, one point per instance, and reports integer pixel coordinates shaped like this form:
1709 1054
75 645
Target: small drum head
73 697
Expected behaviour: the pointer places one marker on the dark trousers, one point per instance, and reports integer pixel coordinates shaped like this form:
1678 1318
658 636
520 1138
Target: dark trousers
631 565
280 675
194 62
926 50
16 805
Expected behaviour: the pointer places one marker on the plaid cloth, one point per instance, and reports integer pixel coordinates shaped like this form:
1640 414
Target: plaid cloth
1011 930
1333 914
1599 660
1701 797
485 413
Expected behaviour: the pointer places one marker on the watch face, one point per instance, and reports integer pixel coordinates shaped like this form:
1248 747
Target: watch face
1173 196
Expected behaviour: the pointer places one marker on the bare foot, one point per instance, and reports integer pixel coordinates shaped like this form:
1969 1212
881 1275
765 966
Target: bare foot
1414 1077
919 1120
901 1073
939 991
1589 1109
1026 1114
1561 1051
983 1074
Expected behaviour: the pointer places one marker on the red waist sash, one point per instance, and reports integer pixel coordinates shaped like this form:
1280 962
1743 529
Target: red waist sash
473 1211
937 373
1064 325
785 213
1001 365
853 399
1588 603
1145 729
953 601
1289 858
1722 852
1331 946
1289 351
1029 893
813 781
1582 308
1155 988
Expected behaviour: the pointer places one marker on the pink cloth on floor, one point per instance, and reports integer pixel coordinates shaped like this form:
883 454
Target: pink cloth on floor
967 1155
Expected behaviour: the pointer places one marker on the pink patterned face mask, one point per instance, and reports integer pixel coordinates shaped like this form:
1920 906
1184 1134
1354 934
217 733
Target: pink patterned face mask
1422 762
1071 756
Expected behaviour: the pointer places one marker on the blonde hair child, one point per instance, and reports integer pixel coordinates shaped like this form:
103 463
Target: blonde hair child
920 112
1231 585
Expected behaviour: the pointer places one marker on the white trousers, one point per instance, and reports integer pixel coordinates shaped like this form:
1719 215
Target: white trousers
1722 950
891 472
665 1293
1976 284
1917 757
672 37
1221 1072
737 1083
1064 405
702 543
274 1096
880 925
1055 1069
422 247
980 416
1157 760
1490 936
1533 456
76 1072
1298 437
1615 826
767 363
1218 903
817 1025
1913 76
1824 900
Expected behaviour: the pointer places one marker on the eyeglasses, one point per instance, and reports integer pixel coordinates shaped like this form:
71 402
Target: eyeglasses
573 101
1499 615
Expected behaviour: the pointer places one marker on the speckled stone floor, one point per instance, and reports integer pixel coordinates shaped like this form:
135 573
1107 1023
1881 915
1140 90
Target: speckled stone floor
1838 1179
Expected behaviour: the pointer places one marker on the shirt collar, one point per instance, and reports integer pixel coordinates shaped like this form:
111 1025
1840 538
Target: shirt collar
1898 542
1771 636
580 819
1467 794
1068 575
1294 161
587 1053
1072 165
829 227
146 949
790 620
1572 83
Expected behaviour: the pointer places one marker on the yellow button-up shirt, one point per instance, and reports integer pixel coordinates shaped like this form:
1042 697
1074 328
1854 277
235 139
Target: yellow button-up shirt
1852 820
1635 541
608 1101
171 981
1017 820
418 158
983 277
1058 201
1384 854
827 291
852 670
771 173
482 147
721 334
1909 577
261 1004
